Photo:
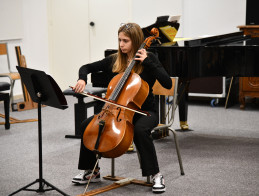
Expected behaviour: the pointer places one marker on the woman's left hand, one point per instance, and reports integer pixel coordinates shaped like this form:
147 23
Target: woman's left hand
141 55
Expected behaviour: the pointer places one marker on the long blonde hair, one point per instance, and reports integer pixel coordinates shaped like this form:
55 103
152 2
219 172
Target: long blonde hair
134 32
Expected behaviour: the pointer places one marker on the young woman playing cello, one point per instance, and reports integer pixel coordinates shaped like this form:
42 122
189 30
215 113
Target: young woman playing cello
130 37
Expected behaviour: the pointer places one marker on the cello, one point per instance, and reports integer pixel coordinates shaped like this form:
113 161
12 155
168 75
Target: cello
110 133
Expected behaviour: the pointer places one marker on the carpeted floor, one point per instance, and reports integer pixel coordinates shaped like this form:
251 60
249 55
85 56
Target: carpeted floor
220 156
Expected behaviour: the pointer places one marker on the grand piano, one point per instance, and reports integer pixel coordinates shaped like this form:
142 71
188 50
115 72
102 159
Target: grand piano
232 54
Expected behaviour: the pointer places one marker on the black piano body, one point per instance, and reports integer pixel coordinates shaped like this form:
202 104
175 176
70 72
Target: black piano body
232 54
224 55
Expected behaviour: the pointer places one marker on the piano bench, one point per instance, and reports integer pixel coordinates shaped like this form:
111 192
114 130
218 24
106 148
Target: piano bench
80 108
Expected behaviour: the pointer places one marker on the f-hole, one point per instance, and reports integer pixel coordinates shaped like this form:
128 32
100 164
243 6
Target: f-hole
118 108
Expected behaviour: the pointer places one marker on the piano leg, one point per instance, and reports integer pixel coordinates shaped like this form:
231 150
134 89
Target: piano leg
183 104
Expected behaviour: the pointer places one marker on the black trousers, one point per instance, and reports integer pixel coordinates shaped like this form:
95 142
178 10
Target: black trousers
143 126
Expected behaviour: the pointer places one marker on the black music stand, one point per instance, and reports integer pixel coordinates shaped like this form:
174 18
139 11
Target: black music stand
43 90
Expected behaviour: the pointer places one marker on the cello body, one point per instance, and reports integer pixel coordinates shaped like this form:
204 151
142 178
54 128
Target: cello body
110 133
116 132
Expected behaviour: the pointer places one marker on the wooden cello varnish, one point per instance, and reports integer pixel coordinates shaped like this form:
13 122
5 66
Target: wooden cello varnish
110 133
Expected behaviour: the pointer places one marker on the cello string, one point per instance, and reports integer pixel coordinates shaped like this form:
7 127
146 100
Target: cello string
125 76
120 85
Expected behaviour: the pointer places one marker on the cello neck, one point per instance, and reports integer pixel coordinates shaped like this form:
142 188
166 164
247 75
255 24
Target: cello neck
125 76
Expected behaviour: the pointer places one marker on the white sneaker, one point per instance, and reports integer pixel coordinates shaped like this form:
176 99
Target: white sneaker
158 183
84 176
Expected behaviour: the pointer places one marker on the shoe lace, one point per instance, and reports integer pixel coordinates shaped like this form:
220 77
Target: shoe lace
82 173
157 179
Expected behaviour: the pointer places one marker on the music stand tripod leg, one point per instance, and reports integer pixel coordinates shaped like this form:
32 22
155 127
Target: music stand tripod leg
41 181
41 189
43 90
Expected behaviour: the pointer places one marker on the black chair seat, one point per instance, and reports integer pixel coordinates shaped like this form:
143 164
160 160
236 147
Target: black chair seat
4 86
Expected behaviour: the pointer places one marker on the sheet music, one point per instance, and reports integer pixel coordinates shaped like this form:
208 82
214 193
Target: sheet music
174 18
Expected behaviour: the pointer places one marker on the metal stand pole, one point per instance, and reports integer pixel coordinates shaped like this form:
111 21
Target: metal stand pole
41 181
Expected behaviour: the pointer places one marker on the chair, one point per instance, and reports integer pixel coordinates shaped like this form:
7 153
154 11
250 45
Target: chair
14 76
11 75
167 115
165 94
162 93
5 97
4 86
27 102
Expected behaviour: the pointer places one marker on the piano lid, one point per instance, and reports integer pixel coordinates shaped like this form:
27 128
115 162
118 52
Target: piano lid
217 40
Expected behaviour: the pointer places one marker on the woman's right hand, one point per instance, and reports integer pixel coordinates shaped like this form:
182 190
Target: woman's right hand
80 86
